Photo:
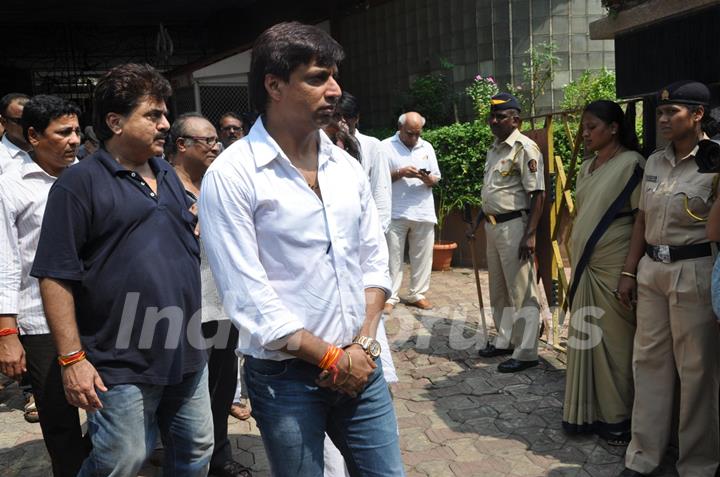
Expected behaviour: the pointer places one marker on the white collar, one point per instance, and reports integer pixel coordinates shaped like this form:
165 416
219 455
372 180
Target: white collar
265 149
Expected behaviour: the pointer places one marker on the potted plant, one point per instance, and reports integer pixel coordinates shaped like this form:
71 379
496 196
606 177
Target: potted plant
442 249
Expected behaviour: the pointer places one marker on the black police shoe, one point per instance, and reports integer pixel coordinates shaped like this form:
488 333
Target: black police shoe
230 469
630 473
490 351
513 365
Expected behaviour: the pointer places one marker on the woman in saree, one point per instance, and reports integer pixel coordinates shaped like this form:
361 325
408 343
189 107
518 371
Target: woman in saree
599 386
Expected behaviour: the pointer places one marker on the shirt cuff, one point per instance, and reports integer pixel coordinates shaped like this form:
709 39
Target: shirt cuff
377 280
64 275
277 338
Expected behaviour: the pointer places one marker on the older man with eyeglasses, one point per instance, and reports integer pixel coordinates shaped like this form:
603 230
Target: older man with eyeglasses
194 147
13 146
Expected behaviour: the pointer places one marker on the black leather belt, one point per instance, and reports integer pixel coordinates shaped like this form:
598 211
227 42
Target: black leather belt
500 218
673 253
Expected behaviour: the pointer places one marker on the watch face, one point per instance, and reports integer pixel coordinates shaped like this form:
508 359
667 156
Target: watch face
373 349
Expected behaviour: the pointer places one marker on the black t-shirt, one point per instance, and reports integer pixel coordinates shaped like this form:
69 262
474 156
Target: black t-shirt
134 265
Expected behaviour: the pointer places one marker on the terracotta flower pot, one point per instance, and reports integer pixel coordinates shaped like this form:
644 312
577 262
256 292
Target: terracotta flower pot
442 255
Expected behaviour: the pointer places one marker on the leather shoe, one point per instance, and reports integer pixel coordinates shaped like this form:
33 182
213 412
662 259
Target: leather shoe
388 308
490 351
423 304
630 473
513 365
230 468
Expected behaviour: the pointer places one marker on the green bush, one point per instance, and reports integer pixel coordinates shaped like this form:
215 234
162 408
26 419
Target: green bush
590 86
460 150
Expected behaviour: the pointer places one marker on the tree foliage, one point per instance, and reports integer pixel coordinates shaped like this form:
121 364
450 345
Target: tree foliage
538 72
590 86
432 96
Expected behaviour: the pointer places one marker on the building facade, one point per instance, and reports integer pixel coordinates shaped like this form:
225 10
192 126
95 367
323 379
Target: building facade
390 44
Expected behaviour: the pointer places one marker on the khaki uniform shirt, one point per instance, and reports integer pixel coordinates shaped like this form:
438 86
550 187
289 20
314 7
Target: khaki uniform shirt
513 169
675 198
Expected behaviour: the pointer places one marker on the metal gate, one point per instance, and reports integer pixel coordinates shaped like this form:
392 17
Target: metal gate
212 100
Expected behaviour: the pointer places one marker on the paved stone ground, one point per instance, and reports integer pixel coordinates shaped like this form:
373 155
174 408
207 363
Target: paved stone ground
457 415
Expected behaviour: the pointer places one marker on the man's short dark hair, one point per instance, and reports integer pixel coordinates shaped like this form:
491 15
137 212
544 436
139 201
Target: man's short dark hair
121 89
348 106
178 130
42 109
230 114
9 98
282 48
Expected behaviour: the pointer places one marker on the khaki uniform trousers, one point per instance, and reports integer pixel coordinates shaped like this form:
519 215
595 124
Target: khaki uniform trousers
513 290
677 336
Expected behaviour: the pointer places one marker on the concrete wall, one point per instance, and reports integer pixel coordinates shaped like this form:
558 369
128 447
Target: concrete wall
389 45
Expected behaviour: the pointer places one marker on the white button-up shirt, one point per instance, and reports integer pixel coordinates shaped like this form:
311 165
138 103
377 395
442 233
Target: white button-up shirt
411 198
23 195
283 259
378 171
10 154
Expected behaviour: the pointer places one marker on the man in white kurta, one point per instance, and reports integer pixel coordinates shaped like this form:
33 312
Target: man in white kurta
414 172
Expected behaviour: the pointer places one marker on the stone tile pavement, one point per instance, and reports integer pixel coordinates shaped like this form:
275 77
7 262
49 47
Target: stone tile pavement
457 415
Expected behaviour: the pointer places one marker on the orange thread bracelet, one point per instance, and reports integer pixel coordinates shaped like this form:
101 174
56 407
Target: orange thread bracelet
67 360
330 358
8 331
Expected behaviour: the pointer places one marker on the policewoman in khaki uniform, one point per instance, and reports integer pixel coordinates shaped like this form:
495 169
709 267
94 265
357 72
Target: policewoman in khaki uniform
676 331
512 201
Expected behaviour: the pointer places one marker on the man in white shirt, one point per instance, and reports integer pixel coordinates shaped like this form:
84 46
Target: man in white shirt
414 171
51 126
297 253
13 145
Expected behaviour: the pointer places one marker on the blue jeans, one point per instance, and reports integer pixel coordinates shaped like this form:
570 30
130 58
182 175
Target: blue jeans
293 415
715 288
125 430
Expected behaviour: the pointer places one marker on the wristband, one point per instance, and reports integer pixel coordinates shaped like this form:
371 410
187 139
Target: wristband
628 274
68 359
330 358
9 331
68 355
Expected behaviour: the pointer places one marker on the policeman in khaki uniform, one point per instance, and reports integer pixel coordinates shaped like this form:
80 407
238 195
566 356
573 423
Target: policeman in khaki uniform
512 201
676 329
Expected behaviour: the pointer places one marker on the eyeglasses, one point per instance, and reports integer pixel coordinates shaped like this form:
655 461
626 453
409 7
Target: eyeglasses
13 120
210 141
231 128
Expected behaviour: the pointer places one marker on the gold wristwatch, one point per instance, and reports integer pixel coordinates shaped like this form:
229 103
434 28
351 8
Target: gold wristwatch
370 345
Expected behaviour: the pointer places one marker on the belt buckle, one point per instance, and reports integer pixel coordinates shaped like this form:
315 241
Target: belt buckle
491 219
663 253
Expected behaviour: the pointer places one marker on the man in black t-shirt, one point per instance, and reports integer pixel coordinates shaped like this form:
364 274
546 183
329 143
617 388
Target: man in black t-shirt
118 264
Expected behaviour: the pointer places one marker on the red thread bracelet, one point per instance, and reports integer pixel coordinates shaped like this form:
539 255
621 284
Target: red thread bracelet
8 331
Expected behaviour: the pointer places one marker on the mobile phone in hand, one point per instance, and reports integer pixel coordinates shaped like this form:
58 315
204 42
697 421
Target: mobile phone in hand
425 171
